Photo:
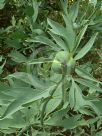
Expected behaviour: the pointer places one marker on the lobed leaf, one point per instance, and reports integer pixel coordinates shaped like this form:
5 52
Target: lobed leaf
86 48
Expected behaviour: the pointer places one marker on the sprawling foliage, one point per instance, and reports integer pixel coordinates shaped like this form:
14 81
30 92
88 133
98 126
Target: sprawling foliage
50 67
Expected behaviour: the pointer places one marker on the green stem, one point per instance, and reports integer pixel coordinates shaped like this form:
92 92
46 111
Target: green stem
63 89
46 102
63 84
43 110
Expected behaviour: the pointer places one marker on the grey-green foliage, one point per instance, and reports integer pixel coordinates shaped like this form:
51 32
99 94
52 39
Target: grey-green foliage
32 99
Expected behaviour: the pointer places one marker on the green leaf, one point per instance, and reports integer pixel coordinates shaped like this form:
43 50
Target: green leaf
15 92
1 67
64 5
68 123
44 40
35 8
70 34
66 32
14 43
100 54
55 100
30 96
76 99
79 100
28 78
86 48
2 4
88 84
71 122
39 61
13 21
16 122
72 96
29 11
17 57
56 28
96 105
19 34
84 74
59 41
80 36
74 10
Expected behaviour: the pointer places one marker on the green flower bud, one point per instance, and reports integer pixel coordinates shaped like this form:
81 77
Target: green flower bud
63 62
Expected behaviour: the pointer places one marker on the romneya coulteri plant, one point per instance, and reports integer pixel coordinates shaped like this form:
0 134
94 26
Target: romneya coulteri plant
52 90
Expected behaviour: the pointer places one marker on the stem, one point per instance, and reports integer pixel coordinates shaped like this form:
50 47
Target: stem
46 102
64 70
43 110
63 89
